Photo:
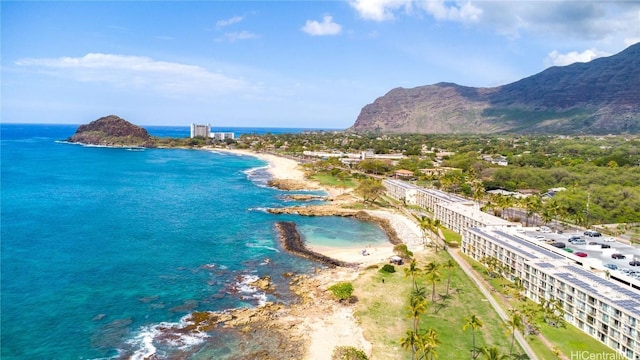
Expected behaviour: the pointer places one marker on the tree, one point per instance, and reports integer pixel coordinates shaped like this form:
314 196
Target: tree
409 342
424 223
417 307
474 323
436 225
478 190
532 205
449 265
426 344
370 190
513 324
433 277
552 312
412 271
493 353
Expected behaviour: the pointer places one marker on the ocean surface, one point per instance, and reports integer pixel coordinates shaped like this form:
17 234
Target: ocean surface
101 247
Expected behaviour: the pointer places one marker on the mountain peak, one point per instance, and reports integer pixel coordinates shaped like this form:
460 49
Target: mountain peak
598 97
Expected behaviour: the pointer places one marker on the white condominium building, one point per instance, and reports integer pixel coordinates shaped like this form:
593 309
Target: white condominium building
605 309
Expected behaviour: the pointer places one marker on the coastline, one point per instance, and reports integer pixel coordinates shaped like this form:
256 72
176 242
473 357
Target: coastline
320 321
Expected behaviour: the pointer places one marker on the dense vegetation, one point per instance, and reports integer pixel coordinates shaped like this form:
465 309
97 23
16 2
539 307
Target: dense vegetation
601 175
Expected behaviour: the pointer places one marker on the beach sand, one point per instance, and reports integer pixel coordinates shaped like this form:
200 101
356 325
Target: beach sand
324 322
279 167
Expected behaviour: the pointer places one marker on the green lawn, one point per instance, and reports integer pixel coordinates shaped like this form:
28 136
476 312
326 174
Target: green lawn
330 180
382 311
567 340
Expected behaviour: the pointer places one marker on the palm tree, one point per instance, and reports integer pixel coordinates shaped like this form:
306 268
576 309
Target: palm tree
424 223
532 206
426 344
493 353
478 190
409 343
433 276
436 225
412 270
417 306
514 323
449 265
474 323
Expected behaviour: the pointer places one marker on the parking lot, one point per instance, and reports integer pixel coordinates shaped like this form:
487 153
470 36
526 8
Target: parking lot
595 250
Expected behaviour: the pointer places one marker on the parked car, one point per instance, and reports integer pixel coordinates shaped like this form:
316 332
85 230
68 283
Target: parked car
559 245
608 239
592 233
594 243
611 266
575 237
634 262
545 229
605 246
539 237
577 242
580 254
618 256
569 250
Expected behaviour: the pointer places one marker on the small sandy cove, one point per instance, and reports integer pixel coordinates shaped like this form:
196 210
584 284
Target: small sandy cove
327 323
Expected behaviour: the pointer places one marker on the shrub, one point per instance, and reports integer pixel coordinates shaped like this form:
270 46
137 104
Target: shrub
348 353
342 290
388 268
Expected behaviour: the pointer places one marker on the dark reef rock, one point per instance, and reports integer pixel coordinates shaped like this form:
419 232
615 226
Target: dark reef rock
112 131
598 97
293 243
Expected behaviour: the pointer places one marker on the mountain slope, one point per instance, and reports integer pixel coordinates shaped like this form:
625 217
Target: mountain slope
111 131
598 97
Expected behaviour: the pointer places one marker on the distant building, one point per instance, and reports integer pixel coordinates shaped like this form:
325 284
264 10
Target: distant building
205 132
200 130
220 136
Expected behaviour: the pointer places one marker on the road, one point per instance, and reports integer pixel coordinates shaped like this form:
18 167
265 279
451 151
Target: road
480 284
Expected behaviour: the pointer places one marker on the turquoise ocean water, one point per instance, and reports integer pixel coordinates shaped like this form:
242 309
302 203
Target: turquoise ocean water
101 246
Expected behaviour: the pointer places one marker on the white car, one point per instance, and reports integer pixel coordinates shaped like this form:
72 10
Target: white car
545 229
539 237
608 239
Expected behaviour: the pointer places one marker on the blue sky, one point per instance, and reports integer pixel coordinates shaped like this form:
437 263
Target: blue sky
308 64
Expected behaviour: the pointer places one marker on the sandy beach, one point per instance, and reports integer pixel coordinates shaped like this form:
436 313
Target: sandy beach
279 167
323 322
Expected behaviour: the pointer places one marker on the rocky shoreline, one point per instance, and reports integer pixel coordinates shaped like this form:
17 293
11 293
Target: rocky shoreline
336 210
292 242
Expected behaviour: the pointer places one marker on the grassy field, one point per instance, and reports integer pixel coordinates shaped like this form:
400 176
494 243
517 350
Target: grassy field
330 180
568 340
382 311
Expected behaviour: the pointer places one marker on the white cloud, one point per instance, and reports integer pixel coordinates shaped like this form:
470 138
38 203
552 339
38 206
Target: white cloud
603 21
138 73
326 27
457 11
607 22
240 35
227 22
379 10
558 59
